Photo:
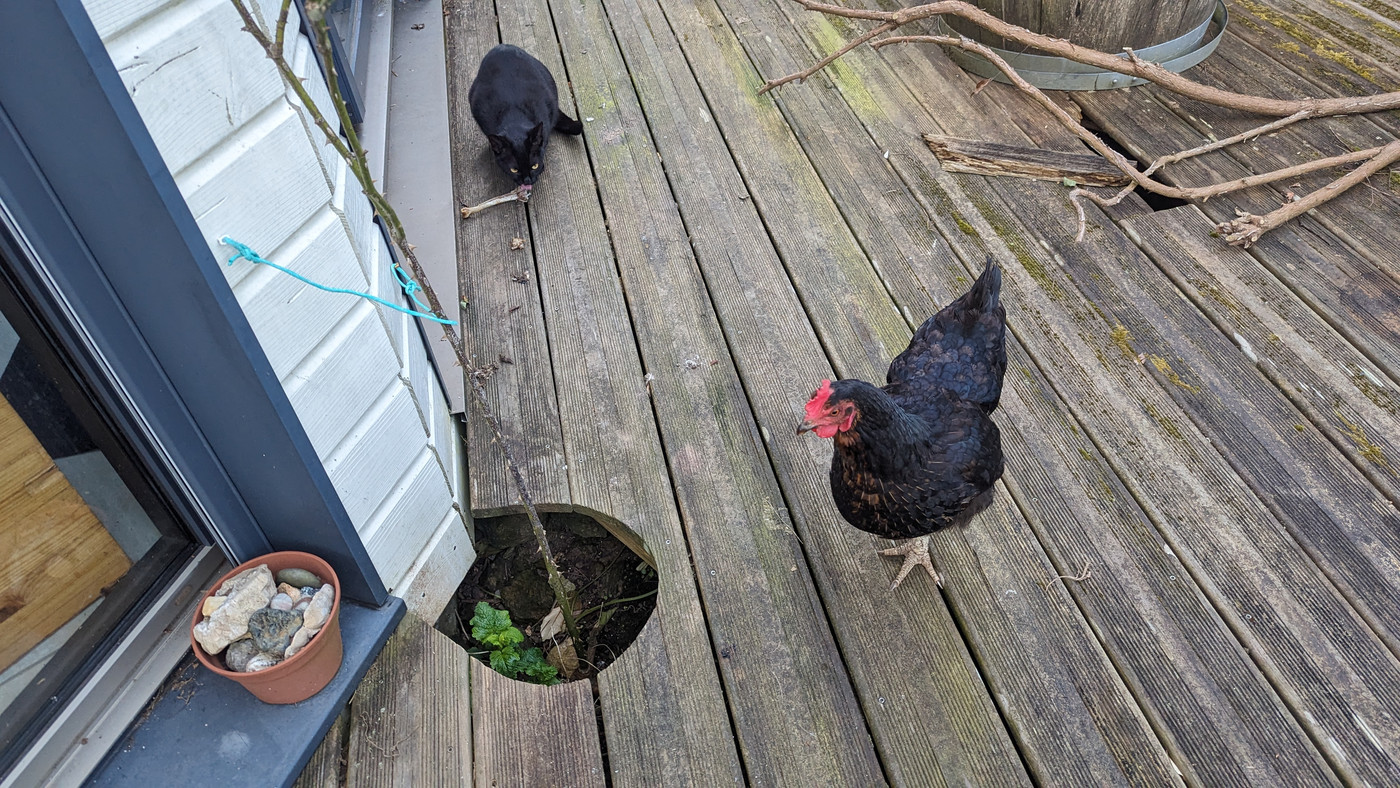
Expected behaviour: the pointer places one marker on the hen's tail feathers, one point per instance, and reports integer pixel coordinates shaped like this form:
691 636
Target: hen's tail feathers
985 293
567 125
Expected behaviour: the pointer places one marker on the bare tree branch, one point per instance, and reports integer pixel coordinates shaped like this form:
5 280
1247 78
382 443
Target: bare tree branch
1242 231
1129 64
1246 230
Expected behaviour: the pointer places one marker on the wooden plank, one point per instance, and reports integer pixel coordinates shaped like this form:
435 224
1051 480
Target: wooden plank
1324 376
526 734
794 711
1349 63
993 158
662 702
1326 505
504 317
1364 29
323 770
58 557
1256 57
1377 17
409 720
1262 728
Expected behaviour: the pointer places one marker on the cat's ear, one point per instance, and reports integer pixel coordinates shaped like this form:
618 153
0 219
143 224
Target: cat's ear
499 144
535 139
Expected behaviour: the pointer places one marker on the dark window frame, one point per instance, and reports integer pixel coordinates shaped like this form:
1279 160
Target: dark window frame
349 32
125 260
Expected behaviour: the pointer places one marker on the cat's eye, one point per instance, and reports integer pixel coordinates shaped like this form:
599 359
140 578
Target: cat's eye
534 166
512 169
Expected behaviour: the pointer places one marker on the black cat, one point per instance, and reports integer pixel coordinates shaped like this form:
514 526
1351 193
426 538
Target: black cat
515 103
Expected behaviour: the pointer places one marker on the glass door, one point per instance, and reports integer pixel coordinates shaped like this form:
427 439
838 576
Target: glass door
86 541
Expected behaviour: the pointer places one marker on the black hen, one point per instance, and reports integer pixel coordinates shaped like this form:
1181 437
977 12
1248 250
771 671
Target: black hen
921 453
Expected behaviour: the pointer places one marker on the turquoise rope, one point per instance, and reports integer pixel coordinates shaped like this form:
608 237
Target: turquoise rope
409 286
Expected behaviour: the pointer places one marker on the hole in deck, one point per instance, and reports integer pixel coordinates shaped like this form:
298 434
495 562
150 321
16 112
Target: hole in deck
615 590
1156 202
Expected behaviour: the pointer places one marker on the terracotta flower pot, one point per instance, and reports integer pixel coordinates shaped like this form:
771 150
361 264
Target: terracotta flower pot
303 674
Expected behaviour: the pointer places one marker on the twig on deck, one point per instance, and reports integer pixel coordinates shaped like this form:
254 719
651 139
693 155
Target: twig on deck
1082 576
1243 136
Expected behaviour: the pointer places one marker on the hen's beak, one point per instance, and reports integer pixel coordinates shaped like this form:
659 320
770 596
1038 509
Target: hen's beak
805 426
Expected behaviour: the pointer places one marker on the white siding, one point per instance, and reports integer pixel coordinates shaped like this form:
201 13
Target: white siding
252 166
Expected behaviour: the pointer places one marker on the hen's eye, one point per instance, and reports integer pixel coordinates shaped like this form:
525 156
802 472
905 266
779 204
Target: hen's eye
534 166
512 169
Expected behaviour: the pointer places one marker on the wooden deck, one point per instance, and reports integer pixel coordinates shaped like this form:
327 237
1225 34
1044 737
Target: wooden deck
1207 436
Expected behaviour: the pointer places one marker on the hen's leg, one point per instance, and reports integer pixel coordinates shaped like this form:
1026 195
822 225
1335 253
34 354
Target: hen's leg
915 552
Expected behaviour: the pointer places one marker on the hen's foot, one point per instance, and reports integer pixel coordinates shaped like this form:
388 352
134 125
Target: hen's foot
915 552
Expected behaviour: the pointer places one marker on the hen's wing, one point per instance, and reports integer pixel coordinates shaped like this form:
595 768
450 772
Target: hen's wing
961 349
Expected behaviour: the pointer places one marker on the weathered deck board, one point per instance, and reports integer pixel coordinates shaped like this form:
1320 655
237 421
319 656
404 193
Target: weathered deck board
663 707
410 721
764 616
525 734
323 770
1331 54
1316 614
1348 216
1322 375
1341 520
503 326
1160 660
757 325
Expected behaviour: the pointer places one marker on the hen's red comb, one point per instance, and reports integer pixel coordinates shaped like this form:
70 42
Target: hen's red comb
818 400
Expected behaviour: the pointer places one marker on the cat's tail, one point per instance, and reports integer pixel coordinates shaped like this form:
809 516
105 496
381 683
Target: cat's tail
567 125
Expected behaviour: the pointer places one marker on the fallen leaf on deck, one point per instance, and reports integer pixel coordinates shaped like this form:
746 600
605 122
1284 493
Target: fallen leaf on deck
517 243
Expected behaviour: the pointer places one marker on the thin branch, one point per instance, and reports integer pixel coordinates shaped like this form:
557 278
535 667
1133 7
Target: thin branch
1081 577
289 76
1257 131
615 603
1245 230
282 25
826 61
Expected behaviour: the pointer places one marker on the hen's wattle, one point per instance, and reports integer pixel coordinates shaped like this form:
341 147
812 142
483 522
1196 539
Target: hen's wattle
922 453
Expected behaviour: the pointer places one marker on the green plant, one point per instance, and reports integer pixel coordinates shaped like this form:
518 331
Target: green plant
492 628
